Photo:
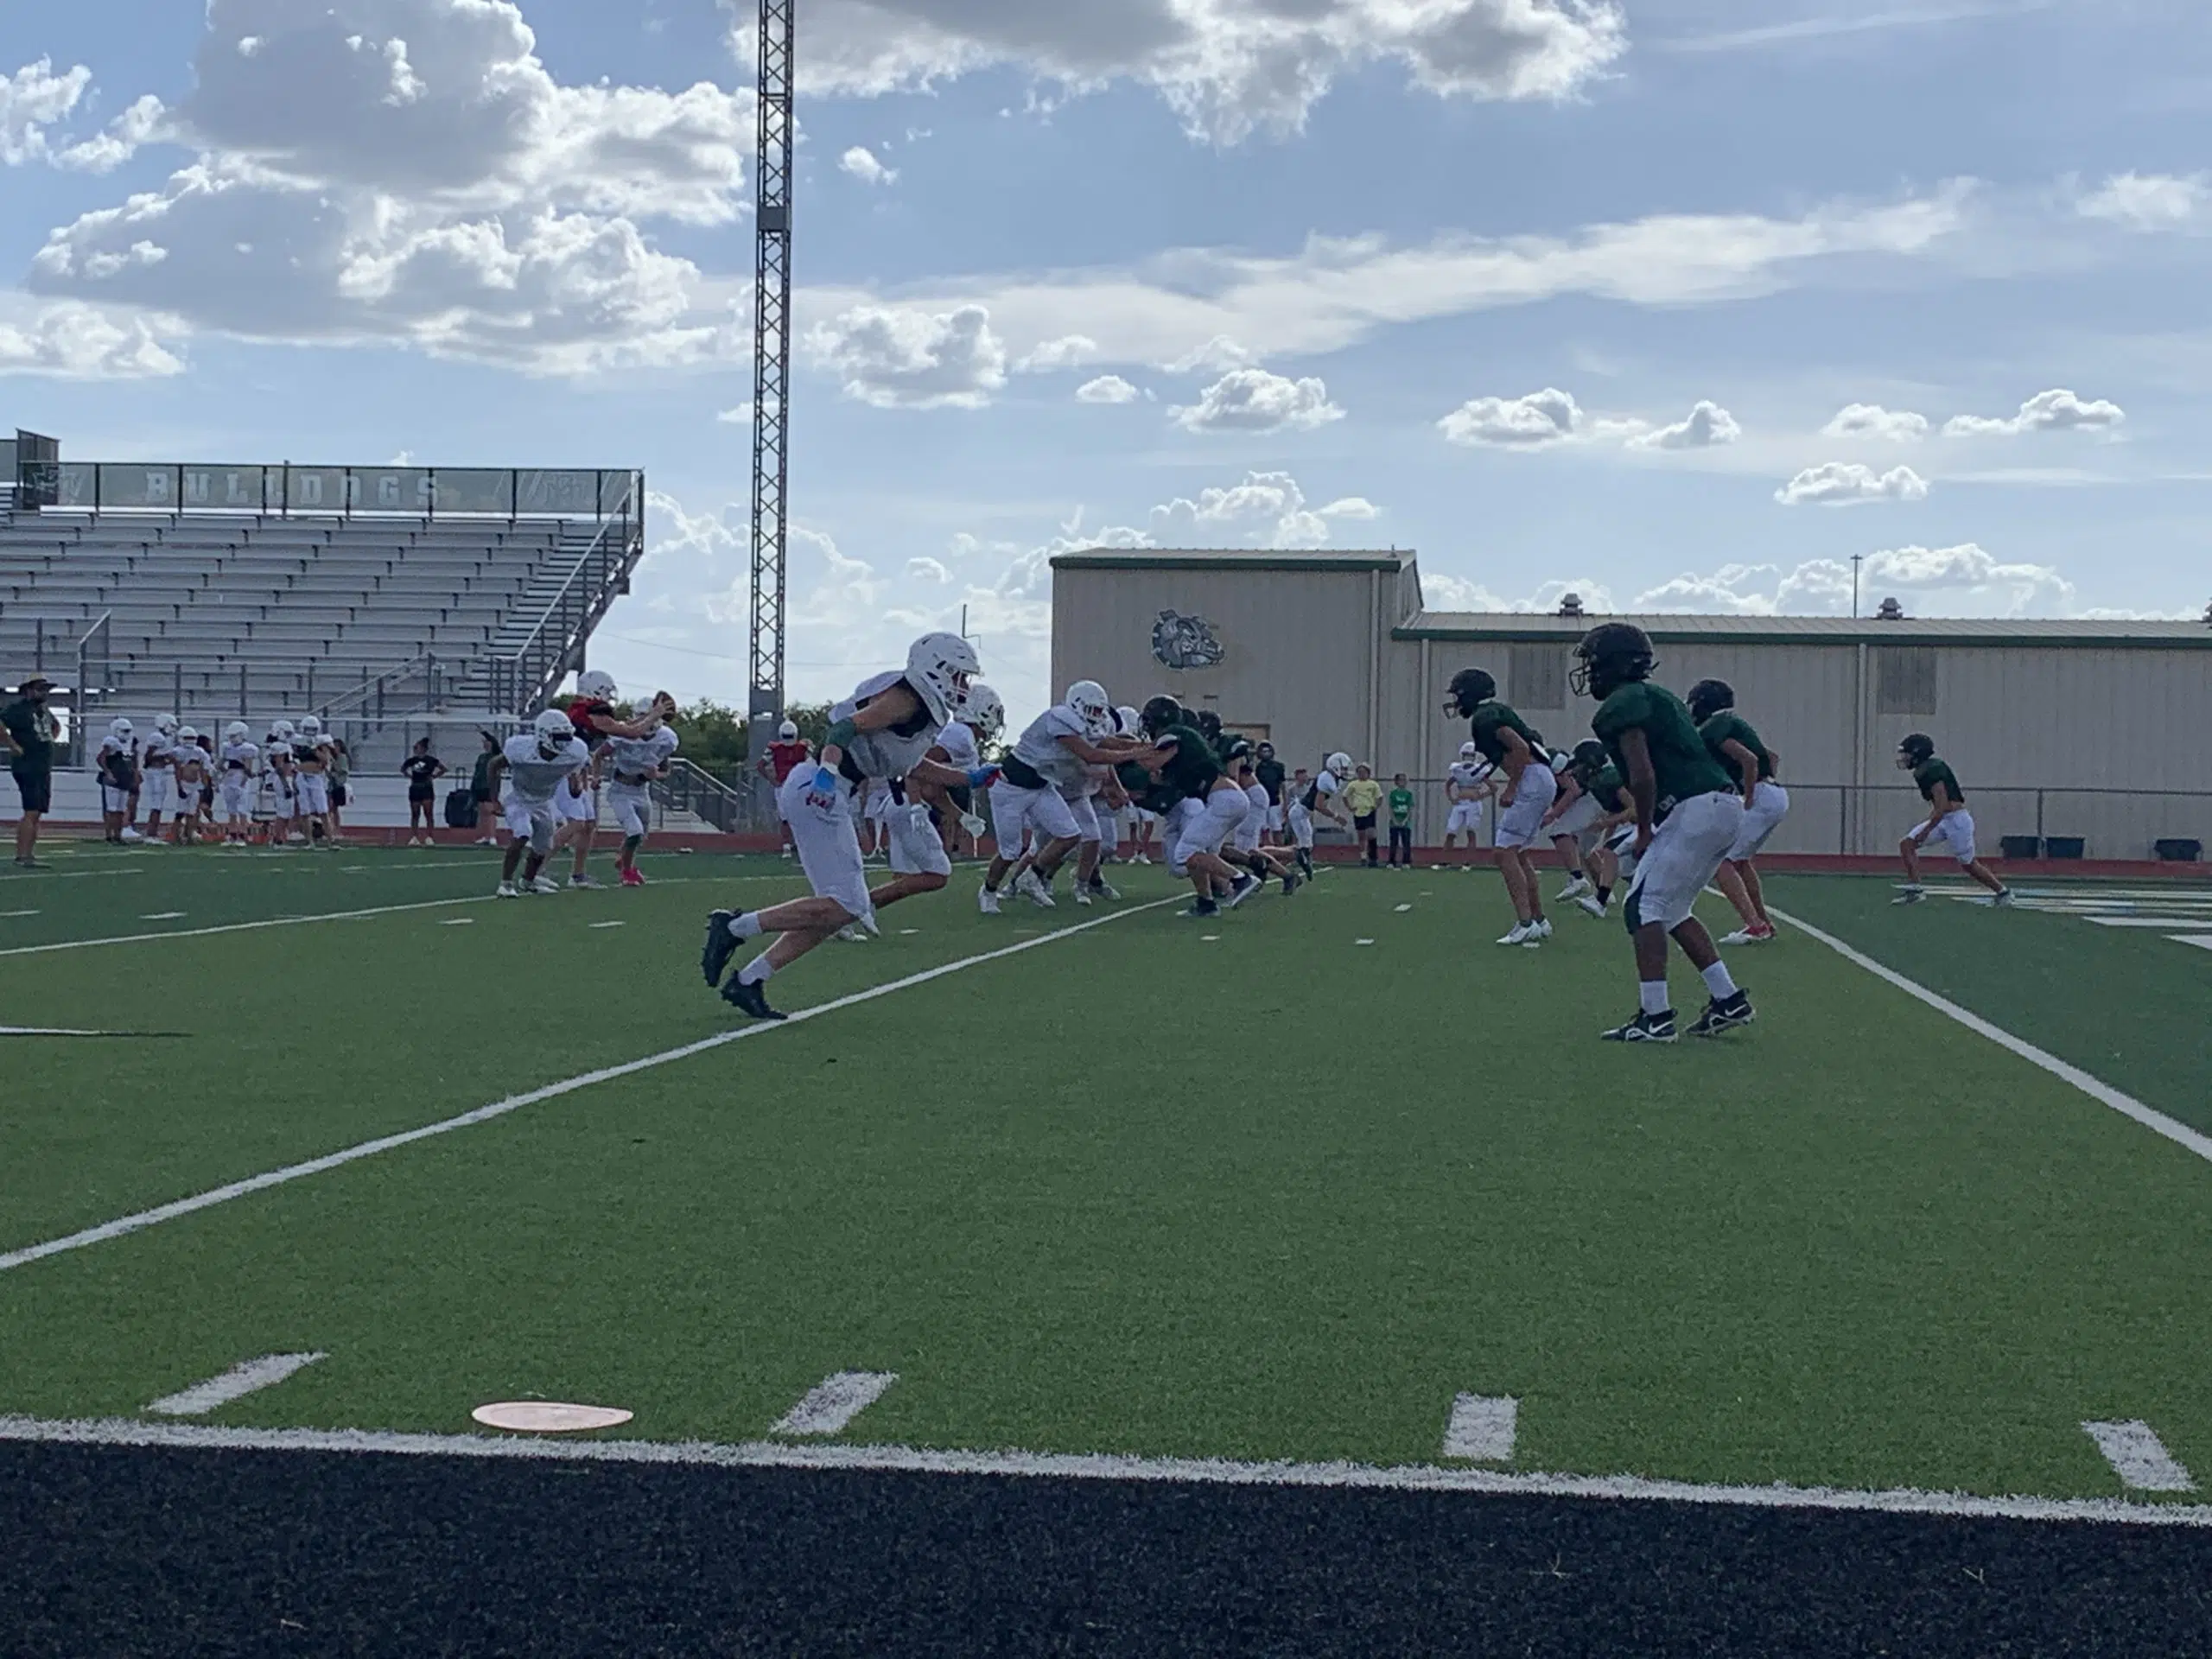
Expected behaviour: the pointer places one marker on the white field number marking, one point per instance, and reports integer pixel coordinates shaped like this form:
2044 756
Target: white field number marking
123 1225
2139 1458
830 1405
233 1384
1481 1429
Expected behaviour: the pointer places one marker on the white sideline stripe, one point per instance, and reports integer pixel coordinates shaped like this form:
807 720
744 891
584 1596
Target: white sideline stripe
2147 921
2203 941
1481 1430
237 927
16 915
51 1030
144 1218
2127 1105
233 1384
830 1405
164 916
1411 1478
2139 1458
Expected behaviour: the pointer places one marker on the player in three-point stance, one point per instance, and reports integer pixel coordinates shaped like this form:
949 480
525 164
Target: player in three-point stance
1737 747
885 730
1949 827
1515 747
1687 815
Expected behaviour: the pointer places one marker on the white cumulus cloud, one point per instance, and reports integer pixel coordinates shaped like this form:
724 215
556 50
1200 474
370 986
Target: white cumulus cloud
861 163
1068 351
2056 411
1846 483
1541 417
1962 581
2152 201
1443 591
928 570
1255 400
914 359
1107 388
78 342
33 99
1708 426
1872 421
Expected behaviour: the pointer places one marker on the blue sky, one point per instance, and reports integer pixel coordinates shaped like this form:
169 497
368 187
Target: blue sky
1680 304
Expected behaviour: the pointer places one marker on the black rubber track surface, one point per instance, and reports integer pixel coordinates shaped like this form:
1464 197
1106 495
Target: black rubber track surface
126 1551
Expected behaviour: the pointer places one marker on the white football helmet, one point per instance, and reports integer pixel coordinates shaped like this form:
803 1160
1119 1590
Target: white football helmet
939 667
1128 719
788 731
120 729
984 711
166 725
553 730
1088 702
310 727
187 734
285 729
236 732
1340 764
1471 752
597 685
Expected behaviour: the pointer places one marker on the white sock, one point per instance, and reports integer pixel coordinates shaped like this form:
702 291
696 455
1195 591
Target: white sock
756 972
747 926
1652 994
1717 981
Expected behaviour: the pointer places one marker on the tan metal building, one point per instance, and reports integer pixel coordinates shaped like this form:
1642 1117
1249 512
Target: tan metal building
2089 730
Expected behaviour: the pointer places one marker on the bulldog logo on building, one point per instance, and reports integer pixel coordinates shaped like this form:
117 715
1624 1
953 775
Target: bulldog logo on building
1182 642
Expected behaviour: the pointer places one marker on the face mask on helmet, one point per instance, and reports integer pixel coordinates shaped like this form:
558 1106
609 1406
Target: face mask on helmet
1609 657
1471 688
1708 698
1916 751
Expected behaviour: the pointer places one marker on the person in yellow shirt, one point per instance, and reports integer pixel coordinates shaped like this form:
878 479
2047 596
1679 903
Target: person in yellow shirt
1363 795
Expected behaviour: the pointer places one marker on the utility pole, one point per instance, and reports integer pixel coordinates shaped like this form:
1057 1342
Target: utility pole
1857 559
772 368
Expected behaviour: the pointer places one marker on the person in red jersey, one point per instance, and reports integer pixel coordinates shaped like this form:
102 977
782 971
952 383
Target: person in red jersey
786 755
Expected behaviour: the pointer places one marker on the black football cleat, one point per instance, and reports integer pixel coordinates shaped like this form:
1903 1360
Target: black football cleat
1724 1015
1203 909
1289 883
721 945
1645 1028
1305 863
751 999
1245 888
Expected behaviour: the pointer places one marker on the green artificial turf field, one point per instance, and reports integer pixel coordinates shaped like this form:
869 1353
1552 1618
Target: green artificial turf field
1276 1186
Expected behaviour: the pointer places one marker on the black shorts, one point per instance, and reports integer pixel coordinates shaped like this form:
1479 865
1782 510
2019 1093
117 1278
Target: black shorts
1365 823
420 795
338 796
35 785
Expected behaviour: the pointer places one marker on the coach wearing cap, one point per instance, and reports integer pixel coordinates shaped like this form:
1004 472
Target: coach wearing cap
29 729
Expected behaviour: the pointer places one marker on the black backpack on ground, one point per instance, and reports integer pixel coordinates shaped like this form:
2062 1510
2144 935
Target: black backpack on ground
461 810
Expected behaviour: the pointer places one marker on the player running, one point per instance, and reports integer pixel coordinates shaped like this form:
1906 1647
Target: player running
538 764
1687 815
1949 827
885 730
592 717
1515 747
1736 747
638 763
1038 785
1208 806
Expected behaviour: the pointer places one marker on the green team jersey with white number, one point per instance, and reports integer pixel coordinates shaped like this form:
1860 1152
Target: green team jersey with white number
1494 718
1679 760
1729 724
1932 773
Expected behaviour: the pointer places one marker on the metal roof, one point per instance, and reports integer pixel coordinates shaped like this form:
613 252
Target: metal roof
1673 628
1231 558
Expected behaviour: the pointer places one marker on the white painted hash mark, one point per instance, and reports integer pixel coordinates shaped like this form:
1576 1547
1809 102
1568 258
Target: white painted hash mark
164 916
233 1384
2139 1458
1402 909
460 921
1097 1466
1362 941
597 925
831 1404
1481 1429
2127 1105
125 1225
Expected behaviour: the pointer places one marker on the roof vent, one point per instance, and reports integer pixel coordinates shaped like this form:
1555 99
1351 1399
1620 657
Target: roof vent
1891 612
1570 605
2208 616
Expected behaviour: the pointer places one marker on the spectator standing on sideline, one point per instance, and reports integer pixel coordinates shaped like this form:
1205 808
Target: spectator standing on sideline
483 790
1272 775
1364 796
341 774
422 769
30 731
785 756
1401 823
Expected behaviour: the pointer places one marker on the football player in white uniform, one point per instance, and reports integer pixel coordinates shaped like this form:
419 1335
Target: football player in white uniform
1732 742
960 746
279 799
1043 789
241 778
311 762
539 764
636 763
191 764
885 730
1329 792
117 763
1574 811
1469 786
157 787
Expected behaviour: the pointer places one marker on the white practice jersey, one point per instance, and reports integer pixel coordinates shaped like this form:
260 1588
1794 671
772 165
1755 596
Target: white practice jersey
535 777
886 754
113 747
1469 774
1041 749
242 757
634 756
1326 783
958 741
158 751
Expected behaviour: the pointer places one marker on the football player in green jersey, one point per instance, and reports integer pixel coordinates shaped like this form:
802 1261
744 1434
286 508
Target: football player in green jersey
1949 827
1737 747
1687 815
1514 747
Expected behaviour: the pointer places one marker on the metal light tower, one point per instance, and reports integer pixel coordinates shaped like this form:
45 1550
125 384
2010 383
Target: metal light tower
772 366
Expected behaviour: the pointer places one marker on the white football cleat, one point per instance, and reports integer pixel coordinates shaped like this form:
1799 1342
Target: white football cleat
1031 887
987 901
508 890
1541 929
1082 898
1590 907
1525 934
1575 889
1750 936
852 935
543 884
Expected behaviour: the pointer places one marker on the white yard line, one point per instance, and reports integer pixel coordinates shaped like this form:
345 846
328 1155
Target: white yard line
123 1225
769 1455
233 1384
2168 922
1481 1429
830 1405
2127 1105
2139 1458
